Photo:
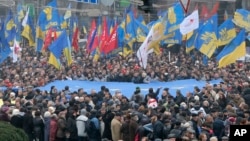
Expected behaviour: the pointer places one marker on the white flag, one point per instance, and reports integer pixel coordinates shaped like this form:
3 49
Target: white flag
142 53
15 51
190 23
25 19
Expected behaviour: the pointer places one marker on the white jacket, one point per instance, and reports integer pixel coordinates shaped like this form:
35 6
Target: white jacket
80 124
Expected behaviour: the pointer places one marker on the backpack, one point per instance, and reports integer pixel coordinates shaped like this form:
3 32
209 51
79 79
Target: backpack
87 126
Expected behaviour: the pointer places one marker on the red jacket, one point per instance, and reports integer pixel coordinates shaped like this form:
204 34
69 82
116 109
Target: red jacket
53 129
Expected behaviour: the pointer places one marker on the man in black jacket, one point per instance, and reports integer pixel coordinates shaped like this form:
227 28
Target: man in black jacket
158 127
194 121
219 127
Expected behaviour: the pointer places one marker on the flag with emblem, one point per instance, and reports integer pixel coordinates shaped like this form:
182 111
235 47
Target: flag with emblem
190 23
15 51
142 53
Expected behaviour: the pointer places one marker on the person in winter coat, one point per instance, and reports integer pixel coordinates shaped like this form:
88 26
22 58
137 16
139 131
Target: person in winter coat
125 128
28 124
71 126
94 133
47 116
157 127
16 119
53 128
107 118
179 97
116 127
38 127
61 126
219 127
3 114
133 126
81 126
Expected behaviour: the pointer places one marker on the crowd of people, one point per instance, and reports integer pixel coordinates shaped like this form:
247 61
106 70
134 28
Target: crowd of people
205 114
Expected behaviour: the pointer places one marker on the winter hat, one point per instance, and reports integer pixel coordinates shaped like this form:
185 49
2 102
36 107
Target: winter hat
52 109
15 112
47 114
83 112
4 109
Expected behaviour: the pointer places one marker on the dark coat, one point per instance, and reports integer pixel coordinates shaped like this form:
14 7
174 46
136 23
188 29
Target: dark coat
158 130
195 127
246 96
71 128
17 121
28 123
125 131
219 128
107 118
94 129
46 128
38 127
133 126
61 126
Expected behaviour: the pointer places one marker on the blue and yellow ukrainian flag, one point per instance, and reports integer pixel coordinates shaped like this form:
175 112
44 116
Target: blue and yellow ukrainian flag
20 12
207 41
226 32
59 44
130 36
29 31
67 51
233 51
48 17
10 28
18 21
73 23
4 46
96 53
66 18
56 49
54 61
40 31
191 42
141 30
175 16
52 15
121 34
242 18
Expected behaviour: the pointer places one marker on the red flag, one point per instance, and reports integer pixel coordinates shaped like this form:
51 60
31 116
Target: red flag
75 40
204 12
48 39
105 35
91 36
215 9
112 42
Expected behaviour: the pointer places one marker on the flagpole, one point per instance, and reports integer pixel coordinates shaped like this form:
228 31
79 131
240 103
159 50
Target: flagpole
169 56
141 58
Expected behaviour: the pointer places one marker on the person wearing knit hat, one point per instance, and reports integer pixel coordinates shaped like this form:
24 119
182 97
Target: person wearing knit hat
51 109
16 119
81 122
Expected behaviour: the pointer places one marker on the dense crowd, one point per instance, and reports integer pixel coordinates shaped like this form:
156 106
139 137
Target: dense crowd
205 114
